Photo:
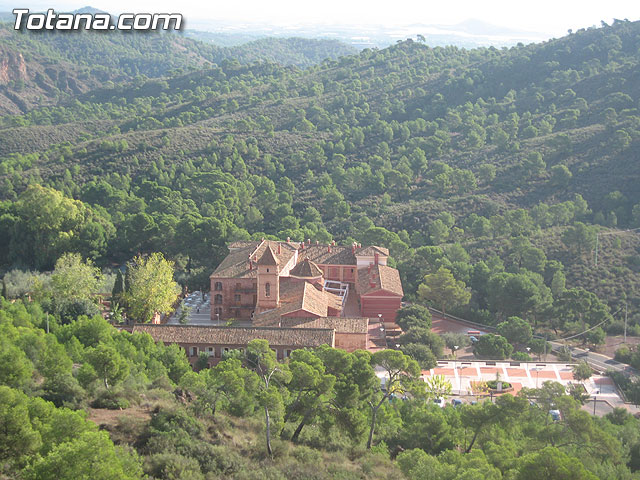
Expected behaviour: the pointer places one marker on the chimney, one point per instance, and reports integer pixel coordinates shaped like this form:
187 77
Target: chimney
288 239
329 248
308 241
301 245
376 257
250 264
353 247
279 248
317 242
359 245
262 239
333 242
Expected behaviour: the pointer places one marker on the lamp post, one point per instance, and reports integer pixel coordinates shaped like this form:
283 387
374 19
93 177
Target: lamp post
455 365
528 350
384 334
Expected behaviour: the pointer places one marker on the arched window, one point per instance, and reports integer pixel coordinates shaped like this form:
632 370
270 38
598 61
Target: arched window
267 290
218 286
218 299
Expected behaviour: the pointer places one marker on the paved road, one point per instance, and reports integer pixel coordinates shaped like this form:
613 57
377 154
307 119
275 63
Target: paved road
596 360
446 323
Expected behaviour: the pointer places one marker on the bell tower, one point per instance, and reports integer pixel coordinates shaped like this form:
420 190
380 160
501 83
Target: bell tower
268 281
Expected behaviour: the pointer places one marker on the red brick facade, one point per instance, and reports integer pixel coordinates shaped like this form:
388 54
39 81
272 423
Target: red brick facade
248 281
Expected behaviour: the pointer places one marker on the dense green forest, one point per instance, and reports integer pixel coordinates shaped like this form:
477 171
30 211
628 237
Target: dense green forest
324 407
505 167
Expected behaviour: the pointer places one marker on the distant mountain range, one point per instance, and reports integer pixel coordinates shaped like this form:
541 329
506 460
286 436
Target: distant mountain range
469 34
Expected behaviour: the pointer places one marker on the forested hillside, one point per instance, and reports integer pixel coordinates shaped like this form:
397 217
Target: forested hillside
50 67
499 165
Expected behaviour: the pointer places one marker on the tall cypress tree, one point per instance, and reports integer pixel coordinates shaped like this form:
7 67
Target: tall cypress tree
127 281
118 287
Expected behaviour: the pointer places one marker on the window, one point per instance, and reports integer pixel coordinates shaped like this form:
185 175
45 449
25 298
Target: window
218 286
267 290
267 270
218 299
237 298
210 351
287 353
194 351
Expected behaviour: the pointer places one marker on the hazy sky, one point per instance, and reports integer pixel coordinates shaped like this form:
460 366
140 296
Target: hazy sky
551 17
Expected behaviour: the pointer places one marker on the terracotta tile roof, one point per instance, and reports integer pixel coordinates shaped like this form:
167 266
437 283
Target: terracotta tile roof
377 278
213 335
298 295
339 324
240 244
236 264
320 254
306 268
268 257
371 250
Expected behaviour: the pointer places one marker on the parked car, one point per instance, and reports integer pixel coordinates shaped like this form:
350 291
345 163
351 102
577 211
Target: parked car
456 402
473 339
439 401
555 415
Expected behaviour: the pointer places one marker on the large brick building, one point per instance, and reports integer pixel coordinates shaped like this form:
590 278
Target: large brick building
266 281
294 295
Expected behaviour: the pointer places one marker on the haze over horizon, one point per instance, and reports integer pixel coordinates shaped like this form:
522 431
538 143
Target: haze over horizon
539 21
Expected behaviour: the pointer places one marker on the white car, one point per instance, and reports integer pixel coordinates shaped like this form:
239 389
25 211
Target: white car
439 401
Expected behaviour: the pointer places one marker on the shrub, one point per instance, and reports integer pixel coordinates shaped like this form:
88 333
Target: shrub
623 354
227 461
110 400
176 419
564 355
521 357
493 384
173 466
307 455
